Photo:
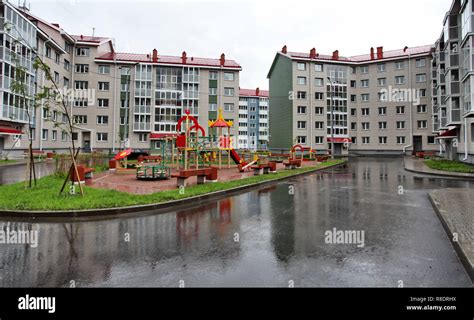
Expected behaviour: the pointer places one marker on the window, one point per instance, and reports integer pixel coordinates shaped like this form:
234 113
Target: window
80 119
301 125
82 68
353 112
421 108
401 110
472 132
381 67
319 111
364 69
63 136
401 140
400 125
365 126
213 91
365 112
354 140
143 137
57 58
212 106
82 52
102 136
103 103
56 77
48 52
421 93
353 98
319 125
431 140
421 77
45 114
353 84
319 140
382 82
382 125
301 110
400 80
75 136
55 116
301 95
354 126
301 81
67 65
318 67
421 63
229 76
228 107
422 124
301 139
104 86
365 140
229 92
80 103
399 65
104 69
383 140
318 82
81 85
54 135
319 96
102 119
365 97
364 83
301 66
66 82
213 75
382 111
44 135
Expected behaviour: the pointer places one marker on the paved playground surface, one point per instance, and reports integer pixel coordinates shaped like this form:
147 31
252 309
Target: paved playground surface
127 182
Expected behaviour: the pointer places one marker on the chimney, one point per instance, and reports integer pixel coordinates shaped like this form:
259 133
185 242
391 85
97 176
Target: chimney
372 54
222 59
335 55
82 37
155 56
257 92
55 24
284 49
379 52
312 53
184 57
405 49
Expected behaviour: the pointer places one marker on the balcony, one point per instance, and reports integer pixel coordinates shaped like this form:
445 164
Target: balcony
142 126
14 114
142 110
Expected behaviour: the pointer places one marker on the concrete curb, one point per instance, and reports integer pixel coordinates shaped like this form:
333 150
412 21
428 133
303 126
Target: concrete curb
112 213
460 250
439 175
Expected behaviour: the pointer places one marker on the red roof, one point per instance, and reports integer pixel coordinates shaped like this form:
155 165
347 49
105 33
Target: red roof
147 58
158 136
451 134
253 93
9 130
220 123
399 53
90 39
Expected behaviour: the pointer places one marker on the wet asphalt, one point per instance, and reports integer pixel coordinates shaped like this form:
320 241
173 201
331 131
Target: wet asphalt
273 237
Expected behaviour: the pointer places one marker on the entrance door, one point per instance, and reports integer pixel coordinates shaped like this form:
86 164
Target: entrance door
338 149
418 143
86 141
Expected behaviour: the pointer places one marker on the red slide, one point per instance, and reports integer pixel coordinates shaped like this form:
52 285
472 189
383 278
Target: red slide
235 156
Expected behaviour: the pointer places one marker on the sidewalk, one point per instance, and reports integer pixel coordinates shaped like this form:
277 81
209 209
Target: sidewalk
455 208
417 165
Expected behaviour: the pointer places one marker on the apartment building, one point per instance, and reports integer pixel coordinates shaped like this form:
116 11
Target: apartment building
452 80
117 100
253 119
381 101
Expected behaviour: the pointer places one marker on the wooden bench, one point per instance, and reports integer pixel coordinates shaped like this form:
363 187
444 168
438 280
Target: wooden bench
149 158
322 158
36 154
89 173
209 174
267 168
292 164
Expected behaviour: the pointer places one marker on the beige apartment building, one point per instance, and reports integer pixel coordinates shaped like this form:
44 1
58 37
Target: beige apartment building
381 101
117 100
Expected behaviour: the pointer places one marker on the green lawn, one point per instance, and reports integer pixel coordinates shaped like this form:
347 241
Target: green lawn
2 161
450 166
45 196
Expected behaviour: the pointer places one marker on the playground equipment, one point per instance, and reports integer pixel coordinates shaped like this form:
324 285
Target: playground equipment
158 171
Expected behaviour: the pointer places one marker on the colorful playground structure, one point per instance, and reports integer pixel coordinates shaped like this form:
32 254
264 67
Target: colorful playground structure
190 153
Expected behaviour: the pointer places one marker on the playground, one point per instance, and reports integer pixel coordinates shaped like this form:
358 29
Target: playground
189 157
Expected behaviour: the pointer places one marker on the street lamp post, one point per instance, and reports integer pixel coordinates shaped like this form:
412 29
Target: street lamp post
332 118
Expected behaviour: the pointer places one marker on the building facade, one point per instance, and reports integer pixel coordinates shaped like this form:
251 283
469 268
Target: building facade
381 101
116 100
453 78
253 119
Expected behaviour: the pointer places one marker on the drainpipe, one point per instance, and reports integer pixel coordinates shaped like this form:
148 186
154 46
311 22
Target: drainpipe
411 107
466 153
114 129
310 96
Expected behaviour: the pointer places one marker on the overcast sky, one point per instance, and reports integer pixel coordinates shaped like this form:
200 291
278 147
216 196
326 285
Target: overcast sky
250 32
